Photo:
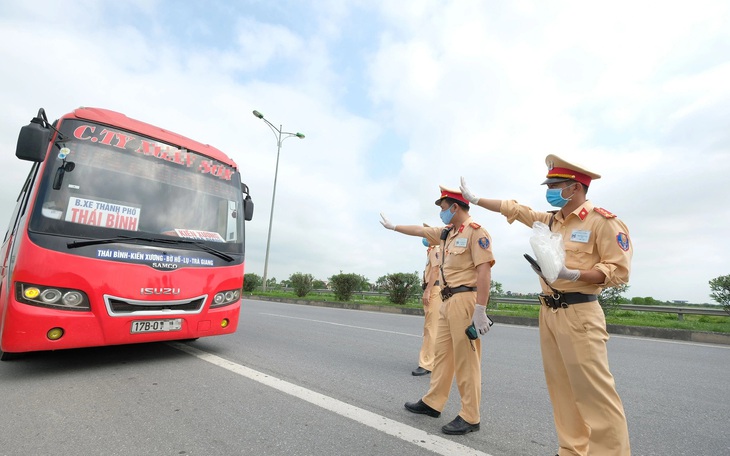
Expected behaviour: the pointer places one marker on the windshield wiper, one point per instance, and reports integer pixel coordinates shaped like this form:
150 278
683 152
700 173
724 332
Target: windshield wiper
151 240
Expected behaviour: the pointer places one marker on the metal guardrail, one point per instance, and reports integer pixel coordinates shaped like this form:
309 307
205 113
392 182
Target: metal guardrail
680 311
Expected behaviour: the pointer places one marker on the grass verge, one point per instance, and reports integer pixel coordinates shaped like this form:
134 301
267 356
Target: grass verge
620 317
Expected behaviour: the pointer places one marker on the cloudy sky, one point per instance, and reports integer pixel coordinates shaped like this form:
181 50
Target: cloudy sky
396 98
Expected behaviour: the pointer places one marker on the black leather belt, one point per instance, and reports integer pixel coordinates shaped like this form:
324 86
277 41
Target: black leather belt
423 285
447 291
563 300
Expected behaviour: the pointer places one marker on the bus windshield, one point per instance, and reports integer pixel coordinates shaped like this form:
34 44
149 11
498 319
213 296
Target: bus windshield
100 182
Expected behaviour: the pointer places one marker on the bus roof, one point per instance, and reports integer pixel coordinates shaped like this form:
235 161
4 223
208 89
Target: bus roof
117 119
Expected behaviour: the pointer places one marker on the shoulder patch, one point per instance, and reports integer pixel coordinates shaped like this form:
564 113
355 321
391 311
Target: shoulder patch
623 241
475 225
604 212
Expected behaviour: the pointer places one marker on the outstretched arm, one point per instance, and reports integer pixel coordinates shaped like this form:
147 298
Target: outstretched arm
489 204
411 230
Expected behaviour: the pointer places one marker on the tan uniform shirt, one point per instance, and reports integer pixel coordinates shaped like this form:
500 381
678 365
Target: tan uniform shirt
434 260
467 247
593 238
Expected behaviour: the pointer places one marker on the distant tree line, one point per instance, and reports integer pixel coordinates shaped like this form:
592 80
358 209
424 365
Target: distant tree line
402 287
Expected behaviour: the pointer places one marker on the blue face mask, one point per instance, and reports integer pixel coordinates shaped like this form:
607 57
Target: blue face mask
554 196
425 242
446 215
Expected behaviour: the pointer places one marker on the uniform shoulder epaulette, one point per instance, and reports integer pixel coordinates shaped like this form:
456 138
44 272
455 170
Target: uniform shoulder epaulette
604 212
475 225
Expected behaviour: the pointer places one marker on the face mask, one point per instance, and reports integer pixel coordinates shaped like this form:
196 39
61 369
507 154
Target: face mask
446 215
554 196
425 242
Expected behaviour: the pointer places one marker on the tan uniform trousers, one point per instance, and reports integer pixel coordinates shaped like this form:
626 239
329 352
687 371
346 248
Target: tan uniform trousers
430 327
589 416
455 356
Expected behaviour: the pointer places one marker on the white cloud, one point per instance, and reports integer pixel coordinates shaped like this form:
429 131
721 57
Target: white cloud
635 90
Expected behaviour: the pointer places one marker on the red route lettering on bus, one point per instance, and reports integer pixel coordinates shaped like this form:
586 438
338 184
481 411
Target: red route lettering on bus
150 148
207 167
84 133
124 222
85 216
155 150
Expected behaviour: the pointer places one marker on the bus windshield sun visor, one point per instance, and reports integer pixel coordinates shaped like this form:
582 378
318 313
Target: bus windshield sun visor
151 241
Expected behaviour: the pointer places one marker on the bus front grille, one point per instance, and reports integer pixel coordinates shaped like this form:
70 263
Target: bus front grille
124 307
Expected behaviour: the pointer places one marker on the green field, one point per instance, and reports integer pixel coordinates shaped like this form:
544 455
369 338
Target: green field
620 317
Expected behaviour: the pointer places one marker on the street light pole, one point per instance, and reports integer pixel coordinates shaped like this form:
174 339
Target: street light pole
280 137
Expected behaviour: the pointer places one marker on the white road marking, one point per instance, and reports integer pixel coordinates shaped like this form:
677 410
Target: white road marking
434 443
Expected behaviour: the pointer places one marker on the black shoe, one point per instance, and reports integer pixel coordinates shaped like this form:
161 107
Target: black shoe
420 371
459 427
421 408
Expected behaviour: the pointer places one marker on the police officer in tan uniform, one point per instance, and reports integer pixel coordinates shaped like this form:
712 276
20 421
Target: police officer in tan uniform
431 303
465 281
588 413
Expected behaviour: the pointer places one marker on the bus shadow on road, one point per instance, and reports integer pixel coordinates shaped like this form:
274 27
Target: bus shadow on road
93 358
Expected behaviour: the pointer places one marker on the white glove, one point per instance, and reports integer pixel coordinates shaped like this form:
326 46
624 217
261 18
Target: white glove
466 193
386 223
569 274
480 319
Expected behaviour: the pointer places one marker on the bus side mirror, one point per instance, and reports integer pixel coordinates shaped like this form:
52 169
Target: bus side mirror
33 141
247 203
248 208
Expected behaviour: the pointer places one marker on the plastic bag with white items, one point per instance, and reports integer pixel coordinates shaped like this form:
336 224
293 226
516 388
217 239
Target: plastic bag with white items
549 250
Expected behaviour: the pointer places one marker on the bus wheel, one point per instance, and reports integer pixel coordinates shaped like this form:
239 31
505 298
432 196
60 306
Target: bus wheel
5 356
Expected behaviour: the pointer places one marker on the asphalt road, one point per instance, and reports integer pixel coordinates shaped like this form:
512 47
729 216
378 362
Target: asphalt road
305 380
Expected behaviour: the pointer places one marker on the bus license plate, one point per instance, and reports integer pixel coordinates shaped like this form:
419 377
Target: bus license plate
147 326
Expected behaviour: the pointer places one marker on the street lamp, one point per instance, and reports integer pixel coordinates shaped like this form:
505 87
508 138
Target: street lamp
280 137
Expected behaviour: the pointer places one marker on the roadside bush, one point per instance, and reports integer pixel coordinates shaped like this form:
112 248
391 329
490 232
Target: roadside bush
720 287
343 285
301 283
400 286
610 298
251 281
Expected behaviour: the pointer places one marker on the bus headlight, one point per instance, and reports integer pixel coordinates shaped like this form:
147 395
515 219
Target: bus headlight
53 297
31 292
224 298
50 296
73 298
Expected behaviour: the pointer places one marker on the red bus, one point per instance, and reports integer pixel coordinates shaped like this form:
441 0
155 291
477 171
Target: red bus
122 233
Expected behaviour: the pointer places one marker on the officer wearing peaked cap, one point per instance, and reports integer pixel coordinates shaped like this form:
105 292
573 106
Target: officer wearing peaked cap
431 299
465 279
588 413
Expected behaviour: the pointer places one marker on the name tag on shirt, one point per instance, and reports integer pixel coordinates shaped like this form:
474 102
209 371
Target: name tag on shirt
460 242
580 236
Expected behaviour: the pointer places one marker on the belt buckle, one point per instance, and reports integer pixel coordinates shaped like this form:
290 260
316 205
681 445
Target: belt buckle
446 293
559 300
543 300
